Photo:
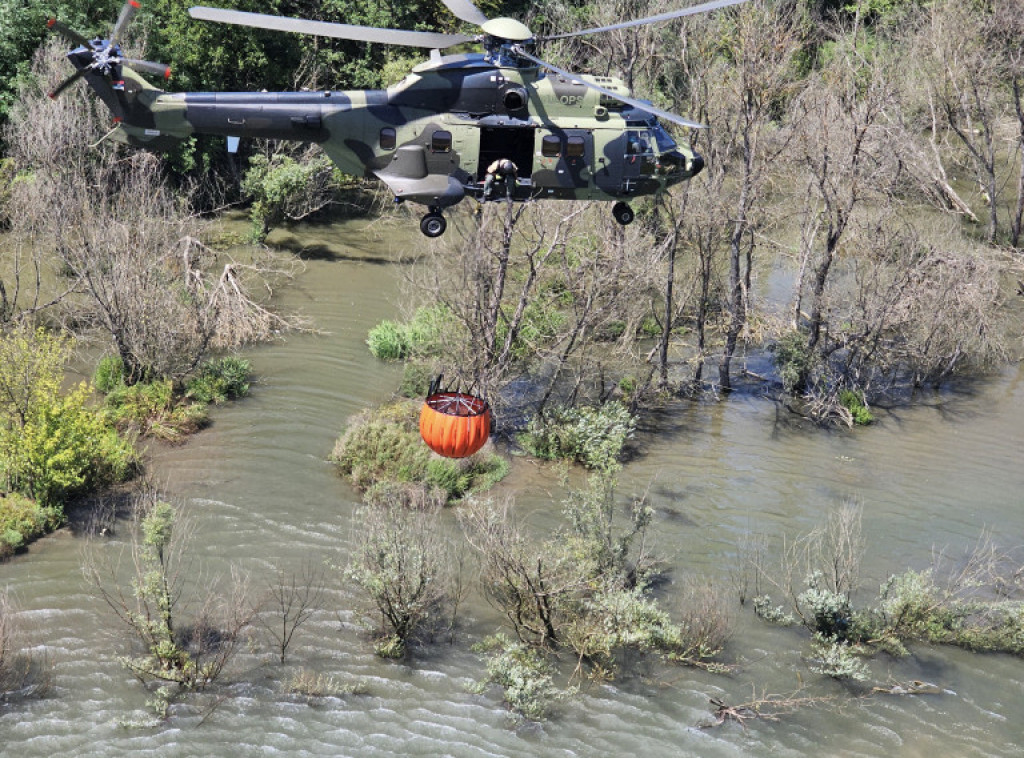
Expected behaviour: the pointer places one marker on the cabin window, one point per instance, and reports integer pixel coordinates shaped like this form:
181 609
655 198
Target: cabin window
575 147
441 142
551 146
388 138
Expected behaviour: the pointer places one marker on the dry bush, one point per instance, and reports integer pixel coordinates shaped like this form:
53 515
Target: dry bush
125 253
22 674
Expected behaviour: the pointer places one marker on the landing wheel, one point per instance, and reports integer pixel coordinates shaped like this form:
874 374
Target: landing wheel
433 225
623 213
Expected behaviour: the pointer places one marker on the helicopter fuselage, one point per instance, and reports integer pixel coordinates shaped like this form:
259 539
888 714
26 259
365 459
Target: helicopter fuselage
431 137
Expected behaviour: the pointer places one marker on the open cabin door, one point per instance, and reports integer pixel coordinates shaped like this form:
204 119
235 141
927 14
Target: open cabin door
512 142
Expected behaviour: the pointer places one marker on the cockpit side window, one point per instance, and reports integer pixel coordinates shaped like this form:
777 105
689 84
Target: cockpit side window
441 142
388 138
663 139
575 147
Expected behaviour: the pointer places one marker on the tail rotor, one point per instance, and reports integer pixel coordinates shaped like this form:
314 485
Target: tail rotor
101 60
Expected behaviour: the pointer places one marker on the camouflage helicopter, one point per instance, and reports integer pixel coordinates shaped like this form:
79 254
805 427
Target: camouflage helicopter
431 137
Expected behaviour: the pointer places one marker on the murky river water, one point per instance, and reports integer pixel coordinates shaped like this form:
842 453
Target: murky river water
264 498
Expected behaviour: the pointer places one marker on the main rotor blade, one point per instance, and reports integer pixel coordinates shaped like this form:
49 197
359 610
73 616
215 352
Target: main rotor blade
127 12
325 29
647 107
159 69
466 11
692 10
67 83
67 32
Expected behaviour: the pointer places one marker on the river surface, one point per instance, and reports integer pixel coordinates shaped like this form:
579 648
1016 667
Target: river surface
263 497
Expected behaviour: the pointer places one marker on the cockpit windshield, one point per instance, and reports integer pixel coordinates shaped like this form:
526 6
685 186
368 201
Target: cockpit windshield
663 139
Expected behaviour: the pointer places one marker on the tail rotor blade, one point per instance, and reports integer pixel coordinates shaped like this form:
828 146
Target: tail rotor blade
55 92
127 13
149 67
67 32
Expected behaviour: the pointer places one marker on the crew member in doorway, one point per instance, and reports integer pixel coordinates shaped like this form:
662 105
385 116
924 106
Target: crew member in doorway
501 172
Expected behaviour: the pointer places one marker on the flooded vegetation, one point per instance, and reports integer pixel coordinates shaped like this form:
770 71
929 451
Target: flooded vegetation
264 499
753 482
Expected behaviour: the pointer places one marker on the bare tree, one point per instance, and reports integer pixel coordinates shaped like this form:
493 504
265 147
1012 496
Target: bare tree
292 600
526 583
154 597
22 674
840 147
126 247
533 290
965 76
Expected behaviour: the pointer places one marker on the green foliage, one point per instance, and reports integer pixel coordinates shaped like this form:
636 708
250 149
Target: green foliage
416 379
23 29
276 184
853 401
419 337
593 437
153 409
830 610
382 453
542 320
835 658
109 374
523 673
403 564
52 446
220 379
22 520
793 360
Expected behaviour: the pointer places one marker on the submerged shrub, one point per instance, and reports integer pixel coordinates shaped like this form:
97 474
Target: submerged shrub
831 656
524 675
220 379
853 401
421 335
593 437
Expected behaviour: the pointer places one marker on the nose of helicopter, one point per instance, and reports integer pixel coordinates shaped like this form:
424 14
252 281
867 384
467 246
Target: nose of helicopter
678 166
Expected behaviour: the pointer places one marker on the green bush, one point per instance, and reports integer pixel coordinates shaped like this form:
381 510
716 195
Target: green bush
152 409
219 380
387 341
62 449
109 374
793 360
593 437
853 401
23 519
420 336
